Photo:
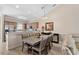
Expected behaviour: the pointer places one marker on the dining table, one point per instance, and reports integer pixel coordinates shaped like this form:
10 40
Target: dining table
34 40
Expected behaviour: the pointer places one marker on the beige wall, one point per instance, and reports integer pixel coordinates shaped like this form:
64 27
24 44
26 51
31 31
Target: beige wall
1 27
1 31
65 18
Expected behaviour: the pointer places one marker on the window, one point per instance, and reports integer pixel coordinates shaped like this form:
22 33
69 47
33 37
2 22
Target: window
19 26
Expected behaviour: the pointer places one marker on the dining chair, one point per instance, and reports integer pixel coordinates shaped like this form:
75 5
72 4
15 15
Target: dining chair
48 43
40 47
25 44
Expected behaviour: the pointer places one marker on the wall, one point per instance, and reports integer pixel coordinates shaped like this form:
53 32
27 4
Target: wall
1 31
65 18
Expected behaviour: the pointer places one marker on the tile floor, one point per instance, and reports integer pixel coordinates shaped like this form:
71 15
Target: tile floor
18 51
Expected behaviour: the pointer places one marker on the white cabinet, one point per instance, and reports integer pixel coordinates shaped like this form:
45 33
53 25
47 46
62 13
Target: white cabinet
13 40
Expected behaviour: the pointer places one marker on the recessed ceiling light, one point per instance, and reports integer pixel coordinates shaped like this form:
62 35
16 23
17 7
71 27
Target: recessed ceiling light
17 6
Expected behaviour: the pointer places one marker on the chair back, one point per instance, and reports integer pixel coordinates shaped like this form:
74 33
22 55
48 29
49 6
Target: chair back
49 39
43 43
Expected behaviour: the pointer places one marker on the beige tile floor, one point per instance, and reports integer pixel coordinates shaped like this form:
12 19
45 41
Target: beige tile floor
18 51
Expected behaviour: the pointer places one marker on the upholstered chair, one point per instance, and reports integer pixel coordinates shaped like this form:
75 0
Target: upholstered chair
40 47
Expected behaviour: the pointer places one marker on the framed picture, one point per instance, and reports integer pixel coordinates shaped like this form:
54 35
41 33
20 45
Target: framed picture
49 26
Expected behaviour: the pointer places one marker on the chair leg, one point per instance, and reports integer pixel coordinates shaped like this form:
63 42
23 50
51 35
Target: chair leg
46 49
22 46
28 49
32 51
50 45
39 52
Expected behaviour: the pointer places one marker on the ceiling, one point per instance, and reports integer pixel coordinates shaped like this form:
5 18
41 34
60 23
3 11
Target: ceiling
26 11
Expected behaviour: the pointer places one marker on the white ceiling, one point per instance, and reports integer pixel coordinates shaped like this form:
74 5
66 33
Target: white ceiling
26 11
